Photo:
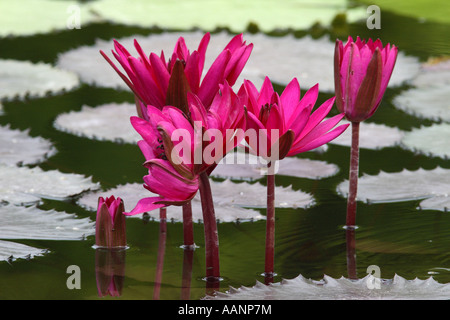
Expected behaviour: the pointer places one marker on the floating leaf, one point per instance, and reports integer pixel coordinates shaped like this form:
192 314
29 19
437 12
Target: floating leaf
253 195
441 202
401 186
28 17
233 14
371 136
17 147
238 165
17 222
10 251
430 96
430 140
271 56
106 122
367 288
133 192
23 78
23 185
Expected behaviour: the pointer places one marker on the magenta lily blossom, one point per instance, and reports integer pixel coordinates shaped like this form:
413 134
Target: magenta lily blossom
177 150
149 77
110 228
361 74
157 82
180 152
287 121
285 126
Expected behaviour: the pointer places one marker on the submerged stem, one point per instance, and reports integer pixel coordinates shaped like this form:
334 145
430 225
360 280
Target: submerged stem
210 225
270 225
353 179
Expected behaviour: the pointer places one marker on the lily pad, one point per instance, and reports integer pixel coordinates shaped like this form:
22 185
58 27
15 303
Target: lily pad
23 78
25 186
17 222
429 140
133 192
106 122
441 202
17 147
402 186
367 288
233 14
431 89
28 17
279 58
248 195
371 136
10 251
241 166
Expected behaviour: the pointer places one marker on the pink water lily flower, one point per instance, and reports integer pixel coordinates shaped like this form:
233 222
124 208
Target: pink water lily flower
175 147
361 74
285 126
110 228
287 121
149 76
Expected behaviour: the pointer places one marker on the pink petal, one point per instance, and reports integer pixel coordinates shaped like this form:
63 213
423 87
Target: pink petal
329 136
266 92
317 132
145 205
214 76
150 91
314 119
290 98
192 72
203 45
160 72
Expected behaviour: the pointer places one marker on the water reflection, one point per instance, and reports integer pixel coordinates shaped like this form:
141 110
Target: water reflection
351 253
110 271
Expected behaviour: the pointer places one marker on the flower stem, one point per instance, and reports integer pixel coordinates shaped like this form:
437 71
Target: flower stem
353 179
210 225
270 226
160 256
188 232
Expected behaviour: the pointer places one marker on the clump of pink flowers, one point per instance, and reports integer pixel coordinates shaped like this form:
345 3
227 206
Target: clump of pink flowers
188 123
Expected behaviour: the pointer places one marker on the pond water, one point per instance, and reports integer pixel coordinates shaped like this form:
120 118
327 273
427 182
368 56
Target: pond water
397 237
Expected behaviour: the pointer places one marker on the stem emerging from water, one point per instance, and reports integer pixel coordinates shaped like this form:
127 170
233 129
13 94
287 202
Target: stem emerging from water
270 225
353 179
210 225
188 232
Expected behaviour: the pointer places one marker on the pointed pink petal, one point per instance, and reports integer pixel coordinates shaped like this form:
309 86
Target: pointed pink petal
266 92
214 76
317 132
203 45
329 136
290 98
318 115
192 72
160 72
145 205
150 91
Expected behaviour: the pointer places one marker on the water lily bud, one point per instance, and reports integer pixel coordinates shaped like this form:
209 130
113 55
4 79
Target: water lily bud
110 230
361 74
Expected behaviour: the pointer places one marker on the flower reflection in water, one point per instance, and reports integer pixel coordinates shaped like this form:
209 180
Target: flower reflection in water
110 271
